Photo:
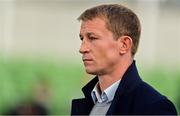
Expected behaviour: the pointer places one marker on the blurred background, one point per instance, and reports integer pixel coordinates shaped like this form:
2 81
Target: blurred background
40 65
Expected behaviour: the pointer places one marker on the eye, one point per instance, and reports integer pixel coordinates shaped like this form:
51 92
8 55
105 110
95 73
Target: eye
93 38
81 38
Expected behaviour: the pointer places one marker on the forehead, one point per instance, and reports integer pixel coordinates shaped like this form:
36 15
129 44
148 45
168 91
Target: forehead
94 25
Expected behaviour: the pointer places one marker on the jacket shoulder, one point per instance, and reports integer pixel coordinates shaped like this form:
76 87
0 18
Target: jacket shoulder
150 101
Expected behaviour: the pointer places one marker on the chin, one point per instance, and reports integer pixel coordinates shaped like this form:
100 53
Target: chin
91 72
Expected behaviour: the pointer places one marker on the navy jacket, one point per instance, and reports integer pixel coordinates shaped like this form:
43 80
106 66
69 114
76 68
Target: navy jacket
133 96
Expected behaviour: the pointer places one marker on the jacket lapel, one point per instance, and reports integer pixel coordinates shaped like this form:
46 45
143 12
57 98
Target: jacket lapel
81 106
84 106
127 84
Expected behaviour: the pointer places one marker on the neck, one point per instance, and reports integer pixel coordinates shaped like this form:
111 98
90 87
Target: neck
107 80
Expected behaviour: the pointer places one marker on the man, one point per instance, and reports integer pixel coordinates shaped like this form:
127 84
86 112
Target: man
110 36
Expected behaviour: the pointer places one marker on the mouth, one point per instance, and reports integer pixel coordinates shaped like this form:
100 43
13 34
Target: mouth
87 60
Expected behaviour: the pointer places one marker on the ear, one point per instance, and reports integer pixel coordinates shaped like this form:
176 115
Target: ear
125 44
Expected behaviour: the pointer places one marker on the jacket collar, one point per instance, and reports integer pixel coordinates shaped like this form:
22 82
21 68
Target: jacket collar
128 82
89 87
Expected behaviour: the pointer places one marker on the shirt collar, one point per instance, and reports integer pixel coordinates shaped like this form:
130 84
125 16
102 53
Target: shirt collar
107 95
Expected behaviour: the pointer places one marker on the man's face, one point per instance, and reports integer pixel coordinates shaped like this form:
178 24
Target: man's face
99 49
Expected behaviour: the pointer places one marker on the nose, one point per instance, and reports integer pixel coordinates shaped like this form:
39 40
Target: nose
84 48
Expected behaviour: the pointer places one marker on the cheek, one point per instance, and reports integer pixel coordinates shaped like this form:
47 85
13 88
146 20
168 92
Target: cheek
107 53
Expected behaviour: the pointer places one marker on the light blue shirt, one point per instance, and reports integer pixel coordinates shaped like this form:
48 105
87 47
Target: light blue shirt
103 100
107 95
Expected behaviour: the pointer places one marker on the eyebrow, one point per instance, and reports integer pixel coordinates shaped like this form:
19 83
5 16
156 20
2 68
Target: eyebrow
80 35
88 34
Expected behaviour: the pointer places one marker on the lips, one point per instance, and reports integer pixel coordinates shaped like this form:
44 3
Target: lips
87 60
84 59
